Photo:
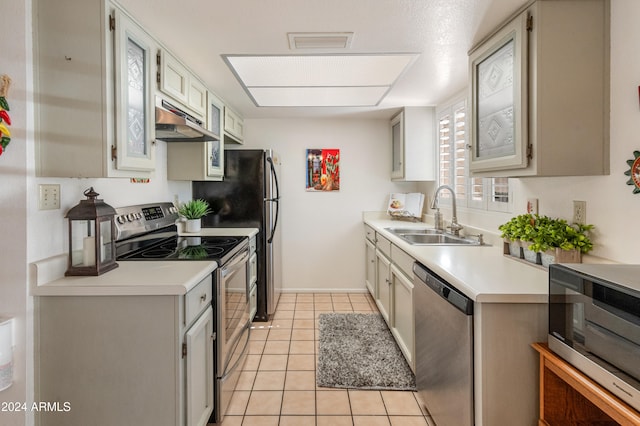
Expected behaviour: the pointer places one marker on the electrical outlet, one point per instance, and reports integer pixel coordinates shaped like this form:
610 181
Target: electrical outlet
49 197
580 212
532 205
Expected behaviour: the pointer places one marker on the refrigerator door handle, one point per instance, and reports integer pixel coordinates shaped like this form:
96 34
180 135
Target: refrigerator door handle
275 180
275 222
274 199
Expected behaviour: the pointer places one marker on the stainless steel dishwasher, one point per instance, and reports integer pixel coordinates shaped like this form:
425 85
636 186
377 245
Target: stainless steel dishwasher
444 348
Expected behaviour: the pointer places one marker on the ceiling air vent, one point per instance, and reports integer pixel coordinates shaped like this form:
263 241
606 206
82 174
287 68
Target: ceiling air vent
305 41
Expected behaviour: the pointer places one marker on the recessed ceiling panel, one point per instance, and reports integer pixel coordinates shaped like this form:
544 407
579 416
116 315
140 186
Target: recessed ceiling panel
338 80
319 70
317 96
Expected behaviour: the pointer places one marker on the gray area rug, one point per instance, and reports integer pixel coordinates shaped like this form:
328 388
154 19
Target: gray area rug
357 351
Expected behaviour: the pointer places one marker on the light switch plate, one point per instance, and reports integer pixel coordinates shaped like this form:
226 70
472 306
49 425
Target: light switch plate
49 198
532 205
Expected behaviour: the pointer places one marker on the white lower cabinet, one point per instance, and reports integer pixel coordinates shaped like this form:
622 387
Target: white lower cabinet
388 277
199 369
126 360
403 315
384 286
370 268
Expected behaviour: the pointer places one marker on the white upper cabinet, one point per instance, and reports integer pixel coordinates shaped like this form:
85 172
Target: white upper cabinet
233 125
199 160
540 93
176 81
413 155
92 91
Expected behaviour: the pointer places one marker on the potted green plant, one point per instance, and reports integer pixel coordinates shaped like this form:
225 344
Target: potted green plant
546 240
517 231
193 211
561 242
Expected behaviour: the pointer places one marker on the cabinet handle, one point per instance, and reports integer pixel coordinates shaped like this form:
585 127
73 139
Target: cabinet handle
203 297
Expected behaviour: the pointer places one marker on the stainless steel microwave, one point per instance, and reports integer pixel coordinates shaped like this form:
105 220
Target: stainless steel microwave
594 323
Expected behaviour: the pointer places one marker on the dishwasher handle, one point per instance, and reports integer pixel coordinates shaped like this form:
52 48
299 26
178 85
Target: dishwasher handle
443 289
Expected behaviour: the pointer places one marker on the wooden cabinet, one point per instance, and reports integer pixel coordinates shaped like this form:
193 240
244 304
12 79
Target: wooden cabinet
233 126
540 93
413 144
568 397
125 360
199 161
94 110
176 81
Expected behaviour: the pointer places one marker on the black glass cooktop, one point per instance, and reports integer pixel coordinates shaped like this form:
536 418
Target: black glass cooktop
161 247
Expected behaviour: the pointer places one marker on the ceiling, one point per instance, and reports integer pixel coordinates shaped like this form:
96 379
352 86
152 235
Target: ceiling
199 32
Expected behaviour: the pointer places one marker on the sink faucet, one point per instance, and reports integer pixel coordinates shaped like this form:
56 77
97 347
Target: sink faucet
455 226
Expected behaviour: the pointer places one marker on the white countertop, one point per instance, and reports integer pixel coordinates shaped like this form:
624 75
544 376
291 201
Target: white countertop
483 273
130 278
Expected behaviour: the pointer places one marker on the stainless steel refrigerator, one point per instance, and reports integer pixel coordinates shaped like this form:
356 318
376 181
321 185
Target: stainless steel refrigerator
249 197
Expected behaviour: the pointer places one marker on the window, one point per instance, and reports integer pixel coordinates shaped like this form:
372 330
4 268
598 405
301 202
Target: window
453 164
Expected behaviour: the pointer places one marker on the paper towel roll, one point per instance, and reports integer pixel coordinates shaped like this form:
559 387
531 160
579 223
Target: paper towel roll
6 353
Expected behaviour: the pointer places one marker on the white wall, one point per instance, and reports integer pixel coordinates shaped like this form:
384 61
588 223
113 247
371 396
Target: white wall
322 232
48 230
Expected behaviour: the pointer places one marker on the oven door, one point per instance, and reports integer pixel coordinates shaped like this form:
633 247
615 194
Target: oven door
232 307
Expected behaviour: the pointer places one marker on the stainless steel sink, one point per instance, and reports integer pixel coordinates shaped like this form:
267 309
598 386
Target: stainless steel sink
399 231
430 236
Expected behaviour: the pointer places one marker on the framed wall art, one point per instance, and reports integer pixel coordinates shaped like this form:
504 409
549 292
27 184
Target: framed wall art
323 170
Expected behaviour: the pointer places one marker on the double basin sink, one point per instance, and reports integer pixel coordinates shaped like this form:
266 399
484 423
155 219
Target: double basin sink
432 237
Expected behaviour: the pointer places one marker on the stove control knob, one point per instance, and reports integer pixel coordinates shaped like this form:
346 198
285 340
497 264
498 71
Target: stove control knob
138 216
130 217
120 219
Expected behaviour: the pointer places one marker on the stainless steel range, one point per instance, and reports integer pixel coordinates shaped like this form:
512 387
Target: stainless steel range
148 232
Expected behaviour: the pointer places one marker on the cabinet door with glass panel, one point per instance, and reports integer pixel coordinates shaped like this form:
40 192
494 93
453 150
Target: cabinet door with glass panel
540 98
499 100
215 149
135 116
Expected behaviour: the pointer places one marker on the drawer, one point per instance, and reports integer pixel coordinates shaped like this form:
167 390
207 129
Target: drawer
370 233
383 245
403 261
253 268
197 299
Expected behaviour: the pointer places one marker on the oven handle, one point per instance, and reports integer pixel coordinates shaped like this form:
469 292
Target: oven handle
235 263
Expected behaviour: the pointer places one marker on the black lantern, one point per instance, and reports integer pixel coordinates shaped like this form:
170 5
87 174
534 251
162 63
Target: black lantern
92 235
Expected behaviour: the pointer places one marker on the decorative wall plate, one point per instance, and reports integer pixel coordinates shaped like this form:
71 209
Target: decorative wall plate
634 172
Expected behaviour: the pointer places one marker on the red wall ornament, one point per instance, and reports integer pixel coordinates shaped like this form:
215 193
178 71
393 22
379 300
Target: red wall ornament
5 119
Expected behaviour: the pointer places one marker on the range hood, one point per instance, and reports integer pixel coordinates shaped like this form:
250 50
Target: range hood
175 125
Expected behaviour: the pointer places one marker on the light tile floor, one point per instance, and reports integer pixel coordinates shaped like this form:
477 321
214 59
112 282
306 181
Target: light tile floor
277 386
